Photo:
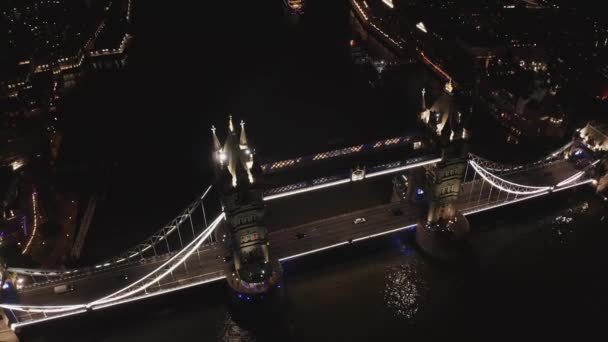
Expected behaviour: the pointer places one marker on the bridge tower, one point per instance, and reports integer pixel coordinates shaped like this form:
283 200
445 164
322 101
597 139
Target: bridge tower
237 178
444 179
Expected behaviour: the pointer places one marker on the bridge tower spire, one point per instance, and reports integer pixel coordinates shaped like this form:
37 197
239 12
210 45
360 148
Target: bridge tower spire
230 124
241 195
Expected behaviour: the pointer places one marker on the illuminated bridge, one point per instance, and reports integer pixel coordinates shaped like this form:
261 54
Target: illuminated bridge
190 251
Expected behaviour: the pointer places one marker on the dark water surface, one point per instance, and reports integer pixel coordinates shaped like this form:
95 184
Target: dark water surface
294 83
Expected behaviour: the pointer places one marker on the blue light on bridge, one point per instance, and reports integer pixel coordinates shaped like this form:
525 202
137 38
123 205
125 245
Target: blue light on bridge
419 194
407 249
578 152
6 286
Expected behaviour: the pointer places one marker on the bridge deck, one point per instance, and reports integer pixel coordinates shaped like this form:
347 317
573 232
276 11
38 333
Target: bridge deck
207 264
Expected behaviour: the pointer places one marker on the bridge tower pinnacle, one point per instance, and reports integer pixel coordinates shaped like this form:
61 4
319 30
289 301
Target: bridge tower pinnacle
230 124
424 99
242 199
217 147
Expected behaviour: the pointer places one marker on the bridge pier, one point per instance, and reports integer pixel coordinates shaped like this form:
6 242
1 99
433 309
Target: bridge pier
445 245
263 315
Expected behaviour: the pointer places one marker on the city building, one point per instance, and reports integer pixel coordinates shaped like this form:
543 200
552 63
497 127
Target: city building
51 46
595 136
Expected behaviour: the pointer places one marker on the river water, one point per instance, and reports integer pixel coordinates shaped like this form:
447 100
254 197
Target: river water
294 82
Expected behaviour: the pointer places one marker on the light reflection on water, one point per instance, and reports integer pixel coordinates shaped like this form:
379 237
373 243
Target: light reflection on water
404 289
230 331
563 226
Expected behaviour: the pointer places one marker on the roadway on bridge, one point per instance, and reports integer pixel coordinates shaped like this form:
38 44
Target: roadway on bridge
339 229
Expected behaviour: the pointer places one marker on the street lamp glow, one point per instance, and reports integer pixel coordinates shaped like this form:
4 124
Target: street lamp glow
223 156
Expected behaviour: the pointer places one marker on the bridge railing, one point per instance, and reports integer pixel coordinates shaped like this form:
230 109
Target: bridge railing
43 278
161 280
501 168
163 243
488 190
160 240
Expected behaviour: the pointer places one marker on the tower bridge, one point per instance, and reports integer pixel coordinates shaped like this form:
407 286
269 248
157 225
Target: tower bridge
243 240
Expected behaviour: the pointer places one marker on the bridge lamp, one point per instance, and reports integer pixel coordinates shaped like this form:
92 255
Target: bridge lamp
223 157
